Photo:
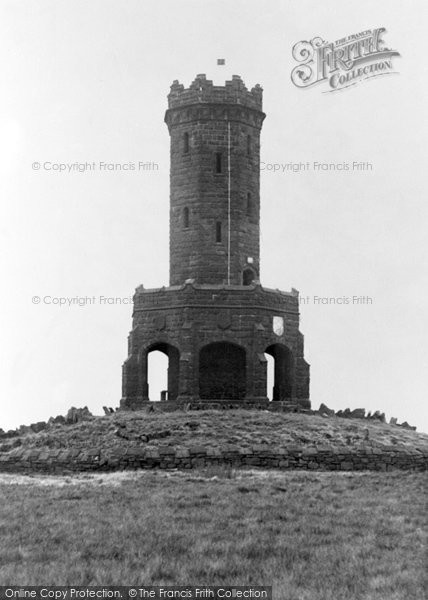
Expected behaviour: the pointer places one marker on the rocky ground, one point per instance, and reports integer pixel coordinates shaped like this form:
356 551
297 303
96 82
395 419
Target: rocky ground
214 429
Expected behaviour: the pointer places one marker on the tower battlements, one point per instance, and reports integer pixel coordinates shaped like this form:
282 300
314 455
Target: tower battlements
202 90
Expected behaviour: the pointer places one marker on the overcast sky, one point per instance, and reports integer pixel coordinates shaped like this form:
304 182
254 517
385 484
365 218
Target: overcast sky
87 81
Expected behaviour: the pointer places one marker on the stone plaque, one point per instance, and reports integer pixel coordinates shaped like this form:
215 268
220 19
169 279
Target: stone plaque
278 325
224 319
160 322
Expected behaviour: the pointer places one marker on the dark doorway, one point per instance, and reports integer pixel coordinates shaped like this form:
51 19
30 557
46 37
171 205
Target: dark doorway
172 372
222 372
247 277
283 372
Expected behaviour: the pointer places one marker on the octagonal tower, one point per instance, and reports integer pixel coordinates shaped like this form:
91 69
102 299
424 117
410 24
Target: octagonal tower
215 321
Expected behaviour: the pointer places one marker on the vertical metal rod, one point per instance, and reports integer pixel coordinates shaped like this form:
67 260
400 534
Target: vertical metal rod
228 203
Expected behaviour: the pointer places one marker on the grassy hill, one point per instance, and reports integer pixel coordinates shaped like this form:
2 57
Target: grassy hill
215 428
311 535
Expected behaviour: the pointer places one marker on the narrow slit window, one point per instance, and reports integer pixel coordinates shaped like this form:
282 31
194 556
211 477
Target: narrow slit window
218 161
186 143
249 204
249 145
185 217
218 231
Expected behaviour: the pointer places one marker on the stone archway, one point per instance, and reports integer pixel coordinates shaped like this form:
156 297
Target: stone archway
173 355
283 386
222 372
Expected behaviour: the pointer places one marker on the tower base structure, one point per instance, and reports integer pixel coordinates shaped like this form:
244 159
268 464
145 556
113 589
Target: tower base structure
217 339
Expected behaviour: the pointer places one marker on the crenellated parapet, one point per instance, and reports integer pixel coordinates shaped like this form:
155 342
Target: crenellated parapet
203 90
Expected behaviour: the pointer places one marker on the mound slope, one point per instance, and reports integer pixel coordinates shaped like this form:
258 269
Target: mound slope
215 429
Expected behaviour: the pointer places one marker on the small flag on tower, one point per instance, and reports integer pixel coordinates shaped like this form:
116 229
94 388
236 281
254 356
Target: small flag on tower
221 61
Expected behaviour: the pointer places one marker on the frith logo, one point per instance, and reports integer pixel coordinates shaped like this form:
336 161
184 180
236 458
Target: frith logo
344 62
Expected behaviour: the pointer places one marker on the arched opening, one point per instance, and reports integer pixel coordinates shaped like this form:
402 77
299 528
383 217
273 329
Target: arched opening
186 218
282 372
248 277
157 373
163 362
270 375
222 372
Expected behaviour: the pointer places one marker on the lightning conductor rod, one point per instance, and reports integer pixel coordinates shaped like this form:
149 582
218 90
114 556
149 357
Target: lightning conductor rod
228 203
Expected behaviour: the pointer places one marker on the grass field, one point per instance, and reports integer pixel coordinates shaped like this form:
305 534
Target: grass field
313 536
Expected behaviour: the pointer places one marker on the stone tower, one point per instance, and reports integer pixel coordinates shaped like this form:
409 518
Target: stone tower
215 147
215 321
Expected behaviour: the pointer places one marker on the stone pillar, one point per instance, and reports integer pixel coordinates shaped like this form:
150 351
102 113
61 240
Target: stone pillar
186 378
143 383
259 377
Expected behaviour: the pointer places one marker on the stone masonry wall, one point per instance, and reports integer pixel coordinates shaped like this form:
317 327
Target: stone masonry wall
189 317
312 459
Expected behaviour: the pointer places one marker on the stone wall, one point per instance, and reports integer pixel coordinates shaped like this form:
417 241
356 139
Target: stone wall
360 413
74 415
308 458
181 320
